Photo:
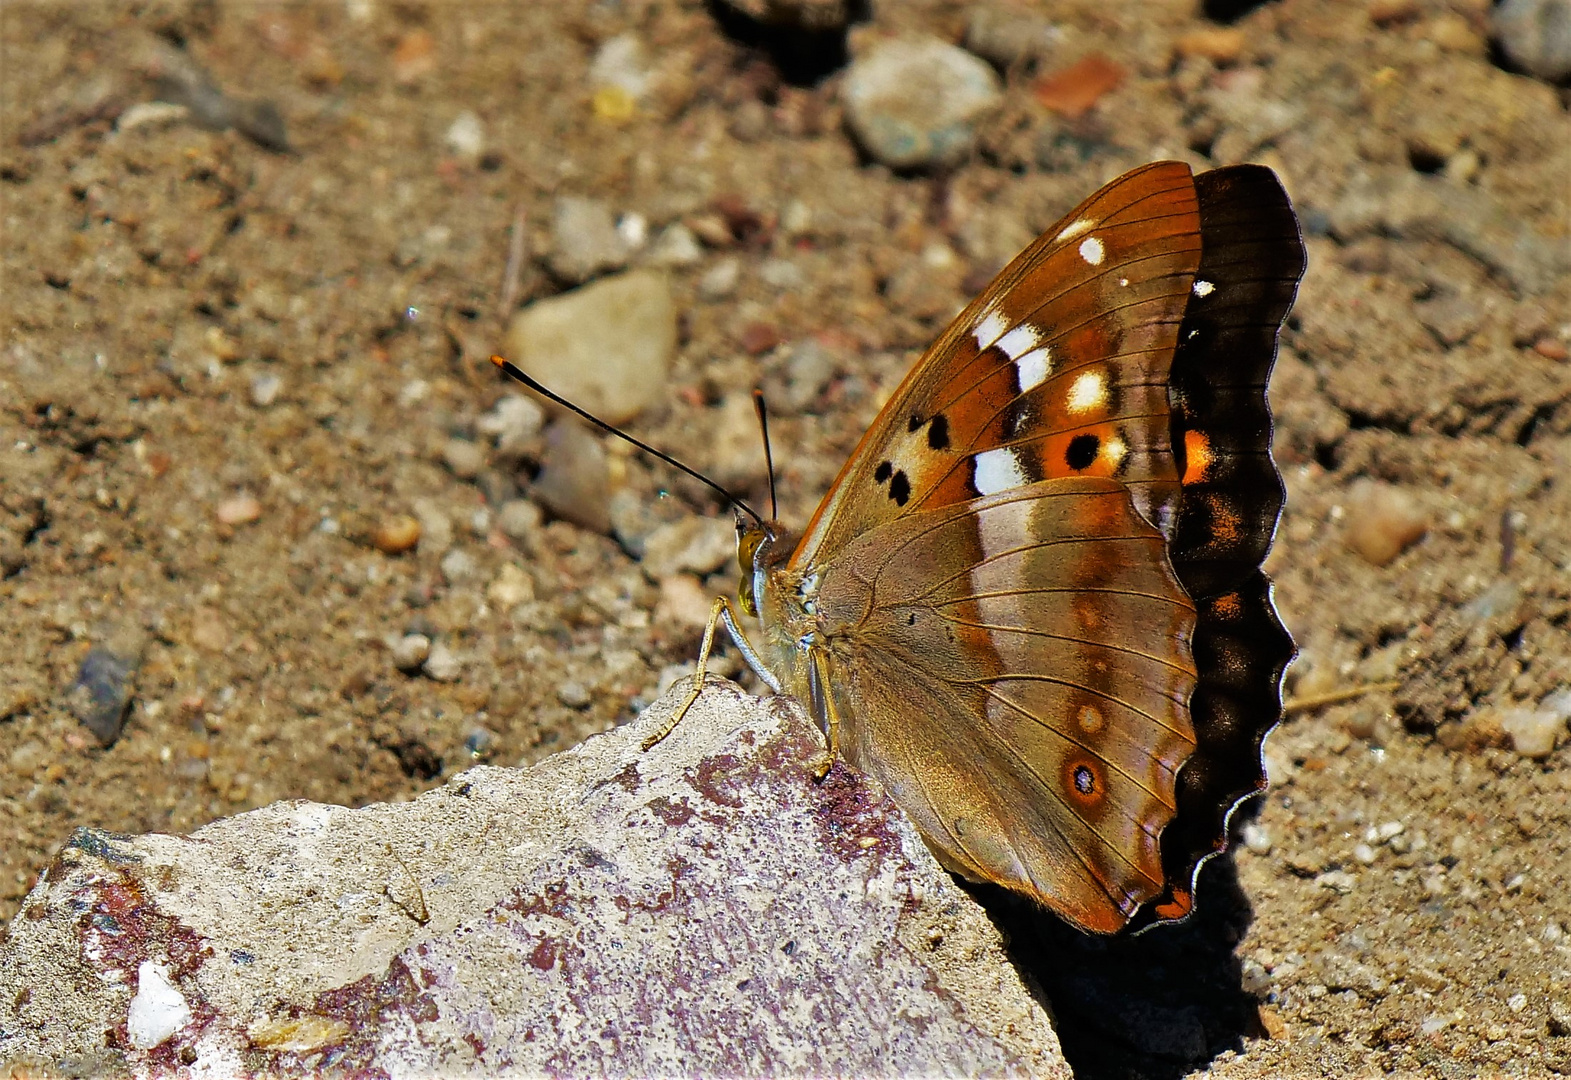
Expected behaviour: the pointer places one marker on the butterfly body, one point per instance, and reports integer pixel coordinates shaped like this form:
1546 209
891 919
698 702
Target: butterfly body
1031 604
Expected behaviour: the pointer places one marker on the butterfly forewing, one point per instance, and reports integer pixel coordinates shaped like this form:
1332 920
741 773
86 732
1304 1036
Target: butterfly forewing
1059 368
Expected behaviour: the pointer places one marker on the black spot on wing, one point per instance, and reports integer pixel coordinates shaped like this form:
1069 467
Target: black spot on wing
938 432
900 488
883 472
1082 451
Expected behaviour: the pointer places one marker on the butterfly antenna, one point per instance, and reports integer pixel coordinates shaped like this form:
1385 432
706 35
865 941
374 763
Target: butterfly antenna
769 457
514 373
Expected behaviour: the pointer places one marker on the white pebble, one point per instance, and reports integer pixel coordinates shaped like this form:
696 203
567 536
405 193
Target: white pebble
466 137
1516 1002
621 62
573 694
1532 732
240 510
1256 839
1339 881
719 281
463 458
443 664
458 566
915 102
265 388
1364 853
585 240
514 423
519 519
676 246
158 1010
410 651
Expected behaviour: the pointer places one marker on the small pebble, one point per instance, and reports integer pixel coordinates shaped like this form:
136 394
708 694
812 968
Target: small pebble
675 246
1560 1018
519 519
915 102
782 274
1536 35
411 651
1338 881
585 240
466 137
458 567
1256 839
1382 521
1533 732
606 347
463 458
573 694
698 545
101 692
1364 853
512 587
720 280
1387 831
574 480
1219 44
265 388
514 423
621 64
443 664
808 369
684 603
1516 1002
396 535
1006 36
239 510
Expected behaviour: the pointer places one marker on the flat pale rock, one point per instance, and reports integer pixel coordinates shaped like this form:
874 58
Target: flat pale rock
699 909
605 346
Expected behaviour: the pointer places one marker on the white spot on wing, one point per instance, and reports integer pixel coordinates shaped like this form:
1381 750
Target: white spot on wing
998 470
1114 450
1092 251
1088 391
1074 229
1033 368
1019 341
1204 289
990 329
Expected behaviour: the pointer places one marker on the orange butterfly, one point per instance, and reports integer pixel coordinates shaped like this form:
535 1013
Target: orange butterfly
1031 605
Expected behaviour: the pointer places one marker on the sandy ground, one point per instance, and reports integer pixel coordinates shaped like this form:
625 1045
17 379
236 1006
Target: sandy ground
1404 898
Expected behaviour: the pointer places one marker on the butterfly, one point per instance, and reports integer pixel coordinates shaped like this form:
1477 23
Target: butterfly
1031 605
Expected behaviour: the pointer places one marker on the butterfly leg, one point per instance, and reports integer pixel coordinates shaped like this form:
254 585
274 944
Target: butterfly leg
720 609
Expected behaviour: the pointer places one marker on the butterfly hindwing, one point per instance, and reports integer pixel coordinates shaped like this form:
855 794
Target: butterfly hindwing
1039 644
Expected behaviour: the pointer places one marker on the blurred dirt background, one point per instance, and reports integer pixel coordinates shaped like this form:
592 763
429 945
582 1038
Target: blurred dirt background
271 526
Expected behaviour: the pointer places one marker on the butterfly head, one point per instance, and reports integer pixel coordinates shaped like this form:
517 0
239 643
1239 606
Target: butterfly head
760 548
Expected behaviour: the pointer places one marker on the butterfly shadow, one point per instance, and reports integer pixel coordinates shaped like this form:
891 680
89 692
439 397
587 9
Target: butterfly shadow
1153 1005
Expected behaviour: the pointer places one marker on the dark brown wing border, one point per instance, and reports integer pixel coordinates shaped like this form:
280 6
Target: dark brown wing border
1252 257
